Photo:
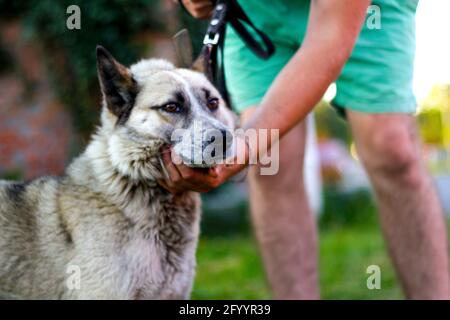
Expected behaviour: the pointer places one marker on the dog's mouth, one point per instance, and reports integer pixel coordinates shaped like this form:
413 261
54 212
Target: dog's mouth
207 150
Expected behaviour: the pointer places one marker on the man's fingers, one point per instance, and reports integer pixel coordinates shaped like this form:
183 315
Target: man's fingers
204 11
213 172
200 9
174 174
197 179
184 171
200 2
181 177
168 187
202 5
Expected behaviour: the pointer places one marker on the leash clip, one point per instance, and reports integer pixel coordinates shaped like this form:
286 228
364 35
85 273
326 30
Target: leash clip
208 40
216 25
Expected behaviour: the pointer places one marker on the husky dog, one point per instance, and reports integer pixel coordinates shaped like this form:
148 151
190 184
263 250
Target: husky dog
106 229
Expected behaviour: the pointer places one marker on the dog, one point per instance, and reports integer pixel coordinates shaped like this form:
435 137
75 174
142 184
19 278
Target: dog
105 229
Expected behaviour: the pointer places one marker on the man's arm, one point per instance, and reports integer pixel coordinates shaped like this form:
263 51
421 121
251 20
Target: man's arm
333 28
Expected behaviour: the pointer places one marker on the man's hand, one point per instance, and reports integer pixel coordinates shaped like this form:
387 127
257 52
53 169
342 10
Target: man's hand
200 9
182 178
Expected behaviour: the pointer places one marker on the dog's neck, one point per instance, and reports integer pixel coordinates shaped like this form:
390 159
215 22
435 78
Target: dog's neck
126 172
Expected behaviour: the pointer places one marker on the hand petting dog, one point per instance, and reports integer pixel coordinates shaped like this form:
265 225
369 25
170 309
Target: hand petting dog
182 178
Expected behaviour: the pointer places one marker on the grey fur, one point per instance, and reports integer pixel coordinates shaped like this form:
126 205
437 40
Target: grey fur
107 215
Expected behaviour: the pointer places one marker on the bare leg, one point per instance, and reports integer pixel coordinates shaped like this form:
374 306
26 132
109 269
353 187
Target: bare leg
284 226
410 212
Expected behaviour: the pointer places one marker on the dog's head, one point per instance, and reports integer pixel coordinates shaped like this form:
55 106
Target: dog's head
152 104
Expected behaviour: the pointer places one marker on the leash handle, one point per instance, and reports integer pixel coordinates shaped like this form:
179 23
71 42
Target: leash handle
216 25
237 20
229 11
213 40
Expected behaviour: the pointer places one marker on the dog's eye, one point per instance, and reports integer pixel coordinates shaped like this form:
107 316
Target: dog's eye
172 107
213 104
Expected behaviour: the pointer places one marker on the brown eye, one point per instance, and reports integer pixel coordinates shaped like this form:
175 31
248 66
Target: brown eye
213 104
172 107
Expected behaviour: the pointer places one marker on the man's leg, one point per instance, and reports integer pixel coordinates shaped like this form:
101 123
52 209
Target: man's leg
283 223
410 212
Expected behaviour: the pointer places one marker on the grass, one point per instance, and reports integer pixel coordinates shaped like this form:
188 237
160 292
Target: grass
345 254
230 267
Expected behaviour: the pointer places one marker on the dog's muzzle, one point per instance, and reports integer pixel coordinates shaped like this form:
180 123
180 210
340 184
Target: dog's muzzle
205 148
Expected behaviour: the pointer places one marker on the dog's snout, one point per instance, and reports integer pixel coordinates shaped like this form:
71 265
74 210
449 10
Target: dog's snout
226 135
210 138
217 141
218 136
205 144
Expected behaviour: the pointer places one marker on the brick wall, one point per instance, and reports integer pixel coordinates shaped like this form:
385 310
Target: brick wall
35 129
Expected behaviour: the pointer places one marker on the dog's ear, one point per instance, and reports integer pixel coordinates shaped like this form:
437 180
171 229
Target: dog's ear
184 52
117 84
199 64
183 48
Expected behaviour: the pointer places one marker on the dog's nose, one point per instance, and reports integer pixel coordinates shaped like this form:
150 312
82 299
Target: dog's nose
221 139
227 138
218 136
224 135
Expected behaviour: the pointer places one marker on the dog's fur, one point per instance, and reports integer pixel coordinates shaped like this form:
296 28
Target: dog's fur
106 216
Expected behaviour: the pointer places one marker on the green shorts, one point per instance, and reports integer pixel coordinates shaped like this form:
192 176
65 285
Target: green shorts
377 77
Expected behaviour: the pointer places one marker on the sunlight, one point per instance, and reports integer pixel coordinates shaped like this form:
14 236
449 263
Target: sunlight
432 65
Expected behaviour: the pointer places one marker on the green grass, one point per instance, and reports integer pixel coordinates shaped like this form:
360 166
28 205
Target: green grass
230 267
345 254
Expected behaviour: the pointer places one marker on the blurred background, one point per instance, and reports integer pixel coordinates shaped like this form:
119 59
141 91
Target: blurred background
49 106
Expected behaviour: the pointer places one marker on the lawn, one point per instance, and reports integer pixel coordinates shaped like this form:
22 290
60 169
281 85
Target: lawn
230 267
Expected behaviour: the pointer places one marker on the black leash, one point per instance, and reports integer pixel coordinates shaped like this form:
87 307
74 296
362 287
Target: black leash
229 11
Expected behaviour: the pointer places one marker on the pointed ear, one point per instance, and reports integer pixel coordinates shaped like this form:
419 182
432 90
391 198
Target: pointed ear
199 64
183 48
117 84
